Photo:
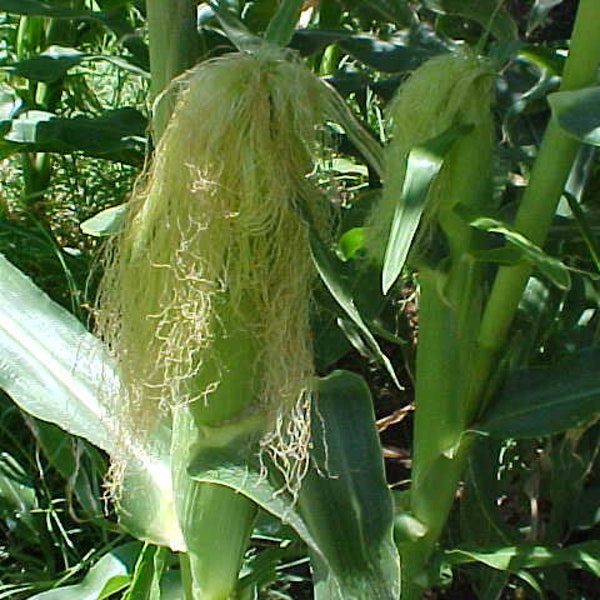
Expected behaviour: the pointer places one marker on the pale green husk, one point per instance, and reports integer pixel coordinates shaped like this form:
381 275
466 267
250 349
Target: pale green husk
215 255
446 91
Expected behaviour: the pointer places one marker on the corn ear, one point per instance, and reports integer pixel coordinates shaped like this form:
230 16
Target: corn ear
445 92
209 286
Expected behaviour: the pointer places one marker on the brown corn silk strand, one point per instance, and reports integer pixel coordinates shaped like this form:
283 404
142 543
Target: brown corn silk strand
213 239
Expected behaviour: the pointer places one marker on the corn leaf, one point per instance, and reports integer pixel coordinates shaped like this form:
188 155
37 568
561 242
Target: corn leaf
118 134
42 9
546 400
578 113
554 269
281 26
239 35
490 14
109 221
53 368
423 165
326 266
539 12
49 66
515 558
344 509
145 584
50 365
111 574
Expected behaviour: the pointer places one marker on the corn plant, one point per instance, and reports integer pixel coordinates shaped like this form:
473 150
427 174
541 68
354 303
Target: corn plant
231 283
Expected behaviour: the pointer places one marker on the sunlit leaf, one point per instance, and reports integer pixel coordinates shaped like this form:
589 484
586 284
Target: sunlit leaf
111 574
423 165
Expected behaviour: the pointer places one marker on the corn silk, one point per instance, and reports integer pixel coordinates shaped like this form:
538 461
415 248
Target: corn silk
215 255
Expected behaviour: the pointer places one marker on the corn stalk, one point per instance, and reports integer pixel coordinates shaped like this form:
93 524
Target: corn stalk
461 336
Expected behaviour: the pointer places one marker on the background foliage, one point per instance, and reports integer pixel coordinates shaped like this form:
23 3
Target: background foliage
74 114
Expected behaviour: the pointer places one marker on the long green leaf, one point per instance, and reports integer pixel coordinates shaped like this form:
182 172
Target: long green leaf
551 267
42 9
54 370
49 66
344 511
513 558
326 262
492 15
50 365
344 499
281 26
118 134
111 574
578 113
546 400
423 165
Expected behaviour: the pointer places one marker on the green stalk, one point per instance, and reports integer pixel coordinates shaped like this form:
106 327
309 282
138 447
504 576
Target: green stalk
173 49
35 34
538 205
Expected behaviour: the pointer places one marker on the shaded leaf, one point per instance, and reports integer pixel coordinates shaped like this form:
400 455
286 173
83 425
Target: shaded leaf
514 558
118 134
17 494
49 66
42 9
578 113
325 262
490 14
539 12
388 56
545 400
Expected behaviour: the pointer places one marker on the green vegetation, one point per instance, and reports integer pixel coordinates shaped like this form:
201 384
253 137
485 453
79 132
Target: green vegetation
299 299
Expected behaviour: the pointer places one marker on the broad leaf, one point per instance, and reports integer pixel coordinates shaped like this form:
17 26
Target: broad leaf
578 113
344 500
118 134
49 364
54 369
546 400
344 510
111 574
388 56
49 66
490 14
